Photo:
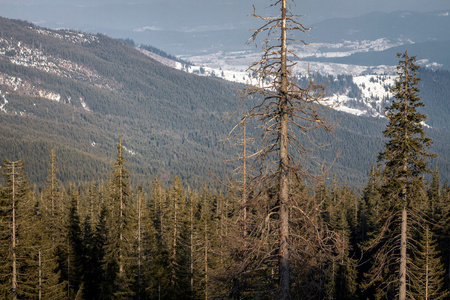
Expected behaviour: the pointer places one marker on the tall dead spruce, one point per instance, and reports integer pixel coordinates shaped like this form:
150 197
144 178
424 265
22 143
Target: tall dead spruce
286 238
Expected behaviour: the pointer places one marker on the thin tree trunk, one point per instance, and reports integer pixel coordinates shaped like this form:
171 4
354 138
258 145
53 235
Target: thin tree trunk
402 292
174 242
244 183
40 275
427 262
403 239
191 237
284 168
121 218
139 244
13 237
206 259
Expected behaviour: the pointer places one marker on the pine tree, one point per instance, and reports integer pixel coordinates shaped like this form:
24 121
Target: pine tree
45 280
403 184
76 248
443 231
93 202
118 249
15 191
98 286
204 248
175 236
371 210
53 201
149 267
90 267
339 209
157 277
428 279
53 213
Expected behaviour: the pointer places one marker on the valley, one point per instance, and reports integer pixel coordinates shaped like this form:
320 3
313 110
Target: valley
319 172
166 110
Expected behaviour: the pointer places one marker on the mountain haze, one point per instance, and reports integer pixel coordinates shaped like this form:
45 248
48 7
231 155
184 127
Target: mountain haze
79 92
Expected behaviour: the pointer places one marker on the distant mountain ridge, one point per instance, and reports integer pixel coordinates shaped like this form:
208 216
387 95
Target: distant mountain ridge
78 93
399 25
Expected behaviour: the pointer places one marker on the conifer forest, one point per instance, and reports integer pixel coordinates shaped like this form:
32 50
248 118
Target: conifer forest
275 228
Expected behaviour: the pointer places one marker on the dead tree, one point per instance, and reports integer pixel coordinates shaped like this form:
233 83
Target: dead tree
286 111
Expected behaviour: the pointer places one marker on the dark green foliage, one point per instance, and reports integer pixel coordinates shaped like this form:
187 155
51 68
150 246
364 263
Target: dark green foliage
402 191
154 107
206 238
13 195
118 263
161 53
182 243
173 121
76 249
407 147
428 282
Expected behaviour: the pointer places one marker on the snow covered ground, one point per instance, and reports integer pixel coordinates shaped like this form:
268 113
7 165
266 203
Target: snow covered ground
373 82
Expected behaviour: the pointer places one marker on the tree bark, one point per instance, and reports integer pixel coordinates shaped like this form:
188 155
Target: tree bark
284 167
402 291
40 275
13 236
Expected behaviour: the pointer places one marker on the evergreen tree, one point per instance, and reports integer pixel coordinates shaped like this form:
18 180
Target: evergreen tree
339 208
53 201
98 285
157 277
54 216
443 231
371 204
204 248
428 279
403 184
93 202
88 261
149 267
15 190
50 285
76 249
175 236
118 261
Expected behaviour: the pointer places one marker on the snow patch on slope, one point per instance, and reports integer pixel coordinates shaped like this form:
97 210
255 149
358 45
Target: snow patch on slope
375 86
84 105
2 107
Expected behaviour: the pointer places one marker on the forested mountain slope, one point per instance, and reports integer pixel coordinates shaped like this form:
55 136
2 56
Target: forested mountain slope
78 93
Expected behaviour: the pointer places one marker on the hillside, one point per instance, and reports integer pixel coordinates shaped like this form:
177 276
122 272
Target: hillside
78 93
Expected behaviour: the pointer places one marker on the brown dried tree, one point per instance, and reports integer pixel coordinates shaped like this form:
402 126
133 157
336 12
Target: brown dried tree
285 233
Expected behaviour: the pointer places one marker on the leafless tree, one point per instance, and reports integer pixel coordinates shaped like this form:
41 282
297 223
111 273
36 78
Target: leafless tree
284 230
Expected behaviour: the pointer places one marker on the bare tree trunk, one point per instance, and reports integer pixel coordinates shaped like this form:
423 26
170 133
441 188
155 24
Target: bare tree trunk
427 267
121 220
206 259
402 292
13 237
191 237
139 204
284 167
244 183
40 275
174 242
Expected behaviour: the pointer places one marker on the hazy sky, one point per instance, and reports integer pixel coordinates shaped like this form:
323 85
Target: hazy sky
187 14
